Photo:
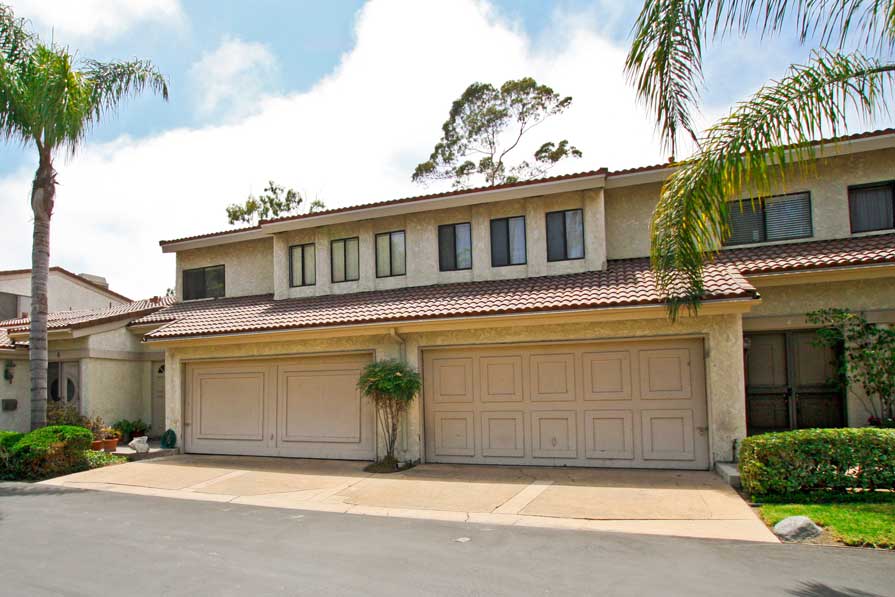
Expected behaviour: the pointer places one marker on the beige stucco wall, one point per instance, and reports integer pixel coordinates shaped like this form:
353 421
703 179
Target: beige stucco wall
114 389
19 389
248 266
262 266
722 335
63 293
629 209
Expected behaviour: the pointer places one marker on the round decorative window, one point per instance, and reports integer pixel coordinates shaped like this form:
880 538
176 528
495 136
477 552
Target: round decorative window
69 390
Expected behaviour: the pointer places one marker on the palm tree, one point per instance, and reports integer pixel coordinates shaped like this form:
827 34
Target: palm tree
750 148
52 100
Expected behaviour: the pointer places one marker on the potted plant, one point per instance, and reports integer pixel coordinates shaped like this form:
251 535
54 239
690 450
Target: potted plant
96 426
110 439
139 428
124 428
392 386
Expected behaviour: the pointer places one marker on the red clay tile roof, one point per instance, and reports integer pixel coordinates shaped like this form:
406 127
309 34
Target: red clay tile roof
6 343
81 279
61 320
767 259
625 283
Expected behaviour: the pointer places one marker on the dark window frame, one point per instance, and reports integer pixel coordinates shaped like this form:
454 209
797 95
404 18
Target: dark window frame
870 185
454 238
345 264
509 262
304 274
565 243
389 234
204 282
764 219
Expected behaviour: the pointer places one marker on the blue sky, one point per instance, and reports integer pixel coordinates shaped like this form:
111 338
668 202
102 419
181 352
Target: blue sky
337 99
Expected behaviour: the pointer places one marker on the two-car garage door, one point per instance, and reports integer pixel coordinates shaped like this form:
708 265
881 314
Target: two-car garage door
301 407
629 404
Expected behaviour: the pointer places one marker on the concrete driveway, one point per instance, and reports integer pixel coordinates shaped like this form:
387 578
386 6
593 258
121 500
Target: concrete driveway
681 503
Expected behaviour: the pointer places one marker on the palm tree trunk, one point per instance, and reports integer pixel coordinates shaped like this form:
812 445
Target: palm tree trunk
43 191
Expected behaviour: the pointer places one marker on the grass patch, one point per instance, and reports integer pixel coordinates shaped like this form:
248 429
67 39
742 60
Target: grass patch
99 459
862 520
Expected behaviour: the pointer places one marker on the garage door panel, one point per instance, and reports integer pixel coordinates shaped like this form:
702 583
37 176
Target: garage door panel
501 378
631 403
453 378
609 434
320 406
554 434
305 407
503 434
607 375
229 406
455 433
665 374
552 377
668 434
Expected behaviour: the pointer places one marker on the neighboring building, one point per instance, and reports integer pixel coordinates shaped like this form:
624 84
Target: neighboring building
65 292
532 313
96 363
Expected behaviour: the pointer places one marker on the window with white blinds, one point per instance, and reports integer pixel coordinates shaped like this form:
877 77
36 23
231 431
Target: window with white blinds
782 217
871 207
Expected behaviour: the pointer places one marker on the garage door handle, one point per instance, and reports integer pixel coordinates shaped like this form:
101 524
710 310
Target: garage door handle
702 430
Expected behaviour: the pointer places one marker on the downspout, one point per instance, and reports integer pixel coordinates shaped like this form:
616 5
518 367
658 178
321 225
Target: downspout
402 351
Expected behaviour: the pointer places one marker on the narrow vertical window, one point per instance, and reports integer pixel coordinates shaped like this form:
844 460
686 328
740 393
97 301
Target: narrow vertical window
302 265
508 241
872 207
390 254
345 259
565 235
454 247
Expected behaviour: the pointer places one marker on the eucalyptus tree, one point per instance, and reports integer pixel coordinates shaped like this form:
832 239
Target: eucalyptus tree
52 99
486 124
747 151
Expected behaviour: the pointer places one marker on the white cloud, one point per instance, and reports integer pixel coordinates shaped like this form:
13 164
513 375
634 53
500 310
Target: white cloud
233 76
105 19
354 137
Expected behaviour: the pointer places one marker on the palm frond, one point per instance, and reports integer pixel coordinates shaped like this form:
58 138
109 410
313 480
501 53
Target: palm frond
665 59
112 82
15 41
750 151
665 63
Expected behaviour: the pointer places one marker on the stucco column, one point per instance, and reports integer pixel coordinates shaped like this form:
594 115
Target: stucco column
726 387
595 229
173 395
280 267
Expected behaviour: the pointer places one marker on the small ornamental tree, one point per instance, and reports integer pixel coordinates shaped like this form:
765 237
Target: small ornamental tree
392 386
868 358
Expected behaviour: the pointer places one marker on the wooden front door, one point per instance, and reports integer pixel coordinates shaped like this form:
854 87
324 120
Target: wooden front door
788 383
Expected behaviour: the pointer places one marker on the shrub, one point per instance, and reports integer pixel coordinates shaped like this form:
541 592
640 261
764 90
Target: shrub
7 441
818 459
59 413
50 451
98 459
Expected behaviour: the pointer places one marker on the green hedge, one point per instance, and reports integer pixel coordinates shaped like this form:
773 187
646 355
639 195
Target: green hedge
45 452
818 459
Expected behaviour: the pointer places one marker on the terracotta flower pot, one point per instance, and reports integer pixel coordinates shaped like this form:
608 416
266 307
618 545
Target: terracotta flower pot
110 445
96 445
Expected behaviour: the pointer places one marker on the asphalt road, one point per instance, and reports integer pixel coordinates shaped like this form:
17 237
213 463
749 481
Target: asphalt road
66 542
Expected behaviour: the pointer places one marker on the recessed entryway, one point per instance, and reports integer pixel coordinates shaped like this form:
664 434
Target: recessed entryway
788 383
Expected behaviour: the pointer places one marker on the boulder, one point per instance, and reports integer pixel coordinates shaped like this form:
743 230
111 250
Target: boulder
797 528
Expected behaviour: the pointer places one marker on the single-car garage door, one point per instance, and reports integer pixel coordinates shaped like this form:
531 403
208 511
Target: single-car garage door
303 407
628 404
